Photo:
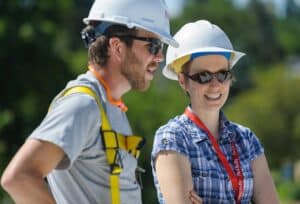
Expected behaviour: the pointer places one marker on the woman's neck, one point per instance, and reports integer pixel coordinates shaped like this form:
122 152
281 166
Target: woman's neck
210 119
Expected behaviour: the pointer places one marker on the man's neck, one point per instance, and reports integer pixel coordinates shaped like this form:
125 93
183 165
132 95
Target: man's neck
112 79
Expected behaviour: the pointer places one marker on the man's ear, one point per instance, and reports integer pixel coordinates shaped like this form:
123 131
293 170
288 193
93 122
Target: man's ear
116 48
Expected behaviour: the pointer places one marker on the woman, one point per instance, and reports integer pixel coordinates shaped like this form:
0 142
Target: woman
201 149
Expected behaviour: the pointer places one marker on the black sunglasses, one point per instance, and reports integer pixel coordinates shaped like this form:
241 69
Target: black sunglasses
206 76
155 45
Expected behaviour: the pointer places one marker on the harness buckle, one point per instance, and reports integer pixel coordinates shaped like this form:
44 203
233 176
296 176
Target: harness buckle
117 166
111 146
138 174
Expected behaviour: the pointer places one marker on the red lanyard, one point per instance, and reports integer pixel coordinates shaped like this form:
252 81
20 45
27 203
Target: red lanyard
237 178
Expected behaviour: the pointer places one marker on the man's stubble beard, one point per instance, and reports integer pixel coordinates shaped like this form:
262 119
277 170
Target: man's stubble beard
133 71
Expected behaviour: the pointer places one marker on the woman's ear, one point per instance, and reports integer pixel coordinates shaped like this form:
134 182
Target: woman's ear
182 81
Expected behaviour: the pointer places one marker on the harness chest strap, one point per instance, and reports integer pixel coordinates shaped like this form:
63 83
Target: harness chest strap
112 142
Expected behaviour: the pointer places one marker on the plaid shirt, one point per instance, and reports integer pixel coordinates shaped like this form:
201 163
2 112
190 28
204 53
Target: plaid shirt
211 181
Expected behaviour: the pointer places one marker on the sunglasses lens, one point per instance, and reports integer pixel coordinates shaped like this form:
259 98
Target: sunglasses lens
223 76
206 77
155 48
155 45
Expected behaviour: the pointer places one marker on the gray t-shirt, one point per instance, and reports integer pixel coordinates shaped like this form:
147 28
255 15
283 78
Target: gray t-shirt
73 123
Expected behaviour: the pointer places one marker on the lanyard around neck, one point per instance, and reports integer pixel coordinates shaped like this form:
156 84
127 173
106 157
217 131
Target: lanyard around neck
118 103
237 178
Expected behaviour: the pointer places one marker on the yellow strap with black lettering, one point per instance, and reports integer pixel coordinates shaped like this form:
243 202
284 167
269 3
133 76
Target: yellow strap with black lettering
112 141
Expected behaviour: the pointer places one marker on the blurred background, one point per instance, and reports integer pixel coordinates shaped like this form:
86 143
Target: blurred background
41 50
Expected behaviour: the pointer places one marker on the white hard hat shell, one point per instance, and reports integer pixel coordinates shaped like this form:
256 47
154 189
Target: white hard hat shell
196 37
150 15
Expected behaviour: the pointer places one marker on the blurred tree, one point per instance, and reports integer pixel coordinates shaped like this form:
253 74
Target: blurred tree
288 33
293 8
41 50
36 40
267 48
271 110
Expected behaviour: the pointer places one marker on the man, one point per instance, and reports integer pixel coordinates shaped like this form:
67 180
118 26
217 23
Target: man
70 147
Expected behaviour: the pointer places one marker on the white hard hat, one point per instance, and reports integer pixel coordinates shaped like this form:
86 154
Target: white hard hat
196 38
150 15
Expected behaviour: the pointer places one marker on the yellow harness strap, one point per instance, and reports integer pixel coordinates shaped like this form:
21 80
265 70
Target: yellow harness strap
112 142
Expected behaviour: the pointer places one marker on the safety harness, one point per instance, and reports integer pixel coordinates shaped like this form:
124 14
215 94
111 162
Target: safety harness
112 143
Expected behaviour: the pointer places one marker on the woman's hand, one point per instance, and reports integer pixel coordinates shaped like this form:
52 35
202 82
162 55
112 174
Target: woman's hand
195 199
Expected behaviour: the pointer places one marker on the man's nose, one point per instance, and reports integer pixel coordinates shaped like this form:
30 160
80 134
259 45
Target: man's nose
159 57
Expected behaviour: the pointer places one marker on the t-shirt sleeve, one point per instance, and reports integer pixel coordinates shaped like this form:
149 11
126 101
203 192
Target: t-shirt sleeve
256 147
169 138
71 123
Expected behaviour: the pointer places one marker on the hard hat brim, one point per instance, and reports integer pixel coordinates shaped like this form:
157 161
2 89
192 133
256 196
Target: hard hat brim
164 37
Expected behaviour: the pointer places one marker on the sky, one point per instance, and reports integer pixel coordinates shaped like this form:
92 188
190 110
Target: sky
174 6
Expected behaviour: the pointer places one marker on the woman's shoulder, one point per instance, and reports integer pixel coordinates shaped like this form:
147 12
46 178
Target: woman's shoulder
239 127
172 136
233 126
242 131
175 124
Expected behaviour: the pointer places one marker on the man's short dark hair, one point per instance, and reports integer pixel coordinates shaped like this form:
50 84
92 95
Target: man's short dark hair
98 50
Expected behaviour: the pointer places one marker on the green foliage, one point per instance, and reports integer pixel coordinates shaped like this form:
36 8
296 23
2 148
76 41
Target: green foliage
32 64
286 31
289 191
271 109
5 118
41 50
